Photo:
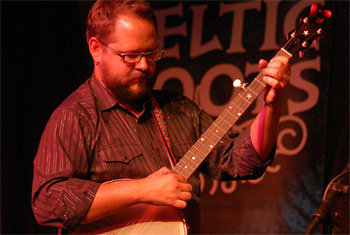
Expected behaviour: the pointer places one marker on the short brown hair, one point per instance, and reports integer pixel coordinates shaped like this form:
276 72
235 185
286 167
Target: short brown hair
103 13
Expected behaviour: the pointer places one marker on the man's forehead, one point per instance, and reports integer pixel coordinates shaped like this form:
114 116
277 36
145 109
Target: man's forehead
123 22
131 23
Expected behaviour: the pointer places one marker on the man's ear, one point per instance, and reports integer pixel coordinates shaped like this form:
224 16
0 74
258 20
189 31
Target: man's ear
95 49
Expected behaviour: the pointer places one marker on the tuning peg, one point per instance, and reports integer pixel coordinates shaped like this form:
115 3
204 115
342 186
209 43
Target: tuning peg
291 34
301 54
319 31
238 83
305 44
305 20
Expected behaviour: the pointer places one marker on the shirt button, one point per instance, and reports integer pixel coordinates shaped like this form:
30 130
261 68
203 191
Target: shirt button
124 158
66 214
151 147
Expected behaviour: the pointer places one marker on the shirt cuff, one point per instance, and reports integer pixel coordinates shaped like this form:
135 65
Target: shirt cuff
75 201
248 162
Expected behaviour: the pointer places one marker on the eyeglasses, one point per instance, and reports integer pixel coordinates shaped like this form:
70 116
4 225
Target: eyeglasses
133 58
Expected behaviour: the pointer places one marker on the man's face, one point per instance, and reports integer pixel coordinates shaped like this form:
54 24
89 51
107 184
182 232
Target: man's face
131 83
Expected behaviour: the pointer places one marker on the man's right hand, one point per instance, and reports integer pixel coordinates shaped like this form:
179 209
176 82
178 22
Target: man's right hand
164 187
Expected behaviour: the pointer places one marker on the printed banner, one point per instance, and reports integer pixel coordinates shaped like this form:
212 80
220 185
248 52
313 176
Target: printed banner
211 44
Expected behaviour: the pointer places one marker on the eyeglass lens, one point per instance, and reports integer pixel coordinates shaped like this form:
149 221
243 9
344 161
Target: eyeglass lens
150 56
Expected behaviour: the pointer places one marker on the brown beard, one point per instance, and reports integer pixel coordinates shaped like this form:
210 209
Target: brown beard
122 90
124 93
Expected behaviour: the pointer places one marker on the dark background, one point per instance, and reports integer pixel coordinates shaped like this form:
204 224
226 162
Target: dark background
44 57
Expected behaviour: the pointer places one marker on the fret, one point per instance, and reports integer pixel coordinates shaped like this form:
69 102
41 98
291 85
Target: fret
214 132
249 88
190 166
243 97
186 175
199 149
253 92
238 107
223 123
193 159
217 128
233 111
223 119
190 151
244 104
182 169
192 156
204 140
207 147
232 115
284 52
187 168
260 87
261 82
195 156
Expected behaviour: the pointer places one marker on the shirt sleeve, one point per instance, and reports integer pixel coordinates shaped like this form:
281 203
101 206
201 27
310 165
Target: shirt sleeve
61 191
234 157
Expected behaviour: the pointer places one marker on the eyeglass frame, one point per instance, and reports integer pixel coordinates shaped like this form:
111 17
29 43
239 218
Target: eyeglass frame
122 55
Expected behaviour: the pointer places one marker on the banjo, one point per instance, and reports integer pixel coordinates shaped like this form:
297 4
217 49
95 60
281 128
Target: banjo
150 219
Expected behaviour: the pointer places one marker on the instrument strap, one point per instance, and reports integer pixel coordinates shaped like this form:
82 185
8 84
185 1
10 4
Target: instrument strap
159 120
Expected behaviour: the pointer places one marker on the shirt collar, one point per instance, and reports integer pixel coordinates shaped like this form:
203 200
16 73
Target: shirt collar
105 100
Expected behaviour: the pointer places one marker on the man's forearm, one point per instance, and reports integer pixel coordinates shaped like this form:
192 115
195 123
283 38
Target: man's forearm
111 197
264 130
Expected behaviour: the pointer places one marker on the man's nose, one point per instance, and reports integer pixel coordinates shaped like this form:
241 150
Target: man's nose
142 64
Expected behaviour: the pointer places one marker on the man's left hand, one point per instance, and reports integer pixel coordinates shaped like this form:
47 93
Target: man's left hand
276 75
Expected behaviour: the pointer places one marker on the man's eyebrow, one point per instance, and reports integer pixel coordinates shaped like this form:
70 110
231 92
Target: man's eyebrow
156 48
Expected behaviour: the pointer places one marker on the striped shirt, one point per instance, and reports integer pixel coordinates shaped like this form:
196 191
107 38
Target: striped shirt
90 139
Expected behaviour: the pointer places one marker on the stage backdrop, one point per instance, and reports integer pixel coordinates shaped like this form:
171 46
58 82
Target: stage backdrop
208 45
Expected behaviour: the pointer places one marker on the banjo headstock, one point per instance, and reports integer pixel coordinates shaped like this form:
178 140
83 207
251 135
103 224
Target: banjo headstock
309 29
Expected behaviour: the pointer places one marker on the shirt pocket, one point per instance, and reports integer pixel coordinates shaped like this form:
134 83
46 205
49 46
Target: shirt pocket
124 153
118 161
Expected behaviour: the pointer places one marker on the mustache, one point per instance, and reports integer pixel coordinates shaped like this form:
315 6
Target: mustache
145 76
